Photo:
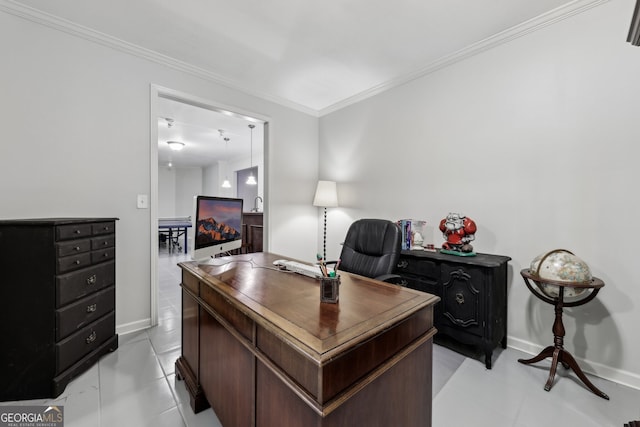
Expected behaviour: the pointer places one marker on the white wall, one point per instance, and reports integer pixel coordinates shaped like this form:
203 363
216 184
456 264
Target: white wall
166 192
189 183
77 114
211 180
535 140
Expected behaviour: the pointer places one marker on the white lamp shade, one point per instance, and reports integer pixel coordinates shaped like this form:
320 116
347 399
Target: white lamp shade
326 194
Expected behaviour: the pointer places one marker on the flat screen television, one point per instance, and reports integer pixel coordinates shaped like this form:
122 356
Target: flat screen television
217 225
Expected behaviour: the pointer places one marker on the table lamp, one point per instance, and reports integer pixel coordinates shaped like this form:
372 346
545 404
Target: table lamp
326 197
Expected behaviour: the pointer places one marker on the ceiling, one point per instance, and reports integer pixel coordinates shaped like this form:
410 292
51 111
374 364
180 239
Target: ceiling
313 56
203 132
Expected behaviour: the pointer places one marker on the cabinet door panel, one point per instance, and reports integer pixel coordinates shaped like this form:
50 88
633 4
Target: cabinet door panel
226 373
462 298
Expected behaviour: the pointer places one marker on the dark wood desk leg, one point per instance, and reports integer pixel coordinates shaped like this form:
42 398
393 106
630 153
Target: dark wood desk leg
197 399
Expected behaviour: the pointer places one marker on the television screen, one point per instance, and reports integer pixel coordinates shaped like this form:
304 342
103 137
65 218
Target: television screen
217 226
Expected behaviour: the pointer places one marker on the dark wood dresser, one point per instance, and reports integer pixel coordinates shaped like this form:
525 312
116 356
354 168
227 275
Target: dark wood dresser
473 296
57 302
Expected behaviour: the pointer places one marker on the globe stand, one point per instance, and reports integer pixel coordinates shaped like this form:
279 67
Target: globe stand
557 351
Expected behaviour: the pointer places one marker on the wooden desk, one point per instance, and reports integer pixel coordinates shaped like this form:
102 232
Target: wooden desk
260 348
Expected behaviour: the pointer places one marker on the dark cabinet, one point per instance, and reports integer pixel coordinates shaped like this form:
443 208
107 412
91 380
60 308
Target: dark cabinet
57 302
473 296
252 231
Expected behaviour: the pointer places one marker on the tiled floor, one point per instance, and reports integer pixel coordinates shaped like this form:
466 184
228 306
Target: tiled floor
136 386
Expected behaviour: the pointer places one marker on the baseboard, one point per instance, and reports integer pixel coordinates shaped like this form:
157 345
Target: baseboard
618 376
133 326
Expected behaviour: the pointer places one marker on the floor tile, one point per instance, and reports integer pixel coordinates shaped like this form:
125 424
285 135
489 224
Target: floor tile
138 406
168 360
204 418
131 367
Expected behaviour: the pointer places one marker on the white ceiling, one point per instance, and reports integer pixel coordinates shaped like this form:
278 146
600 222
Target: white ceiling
199 129
312 55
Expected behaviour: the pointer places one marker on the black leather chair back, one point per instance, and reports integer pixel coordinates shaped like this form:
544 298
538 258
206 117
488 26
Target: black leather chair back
372 248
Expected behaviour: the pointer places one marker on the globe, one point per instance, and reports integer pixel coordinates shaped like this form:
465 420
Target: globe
560 266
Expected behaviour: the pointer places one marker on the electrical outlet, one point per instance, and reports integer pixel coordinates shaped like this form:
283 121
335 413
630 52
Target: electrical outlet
143 201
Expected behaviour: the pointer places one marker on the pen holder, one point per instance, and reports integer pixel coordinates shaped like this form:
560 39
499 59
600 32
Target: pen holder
329 289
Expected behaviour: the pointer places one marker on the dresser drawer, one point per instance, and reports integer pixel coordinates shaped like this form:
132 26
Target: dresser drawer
73 231
421 284
103 228
82 312
103 242
422 267
73 348
73 247
74 262
72 286
103 255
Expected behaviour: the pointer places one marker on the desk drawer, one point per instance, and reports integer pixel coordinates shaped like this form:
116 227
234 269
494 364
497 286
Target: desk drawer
236 318
190 282
75 285
73 348
82 312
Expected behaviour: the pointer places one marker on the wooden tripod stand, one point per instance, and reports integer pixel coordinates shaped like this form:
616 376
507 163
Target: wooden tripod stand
557 351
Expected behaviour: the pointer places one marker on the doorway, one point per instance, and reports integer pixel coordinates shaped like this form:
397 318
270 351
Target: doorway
216 143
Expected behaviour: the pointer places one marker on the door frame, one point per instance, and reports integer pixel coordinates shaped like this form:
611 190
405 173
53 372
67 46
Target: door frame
155 93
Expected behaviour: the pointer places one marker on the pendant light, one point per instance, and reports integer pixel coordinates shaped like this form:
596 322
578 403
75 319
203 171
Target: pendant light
252 179
176 145
226 183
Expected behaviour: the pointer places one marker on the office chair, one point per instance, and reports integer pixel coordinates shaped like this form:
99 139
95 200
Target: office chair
372 249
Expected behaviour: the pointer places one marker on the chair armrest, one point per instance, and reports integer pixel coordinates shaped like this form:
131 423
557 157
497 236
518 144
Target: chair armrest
390 278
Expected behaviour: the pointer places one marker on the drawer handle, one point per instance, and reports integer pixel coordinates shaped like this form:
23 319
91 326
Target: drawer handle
105 255
105 243
403 264
77 248
91 308
403 282
91 280
460 298
91 338
77 262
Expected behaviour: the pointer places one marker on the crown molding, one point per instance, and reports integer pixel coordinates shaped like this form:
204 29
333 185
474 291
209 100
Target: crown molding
549 18
57 23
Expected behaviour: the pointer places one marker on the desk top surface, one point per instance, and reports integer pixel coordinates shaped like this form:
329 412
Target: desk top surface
289 303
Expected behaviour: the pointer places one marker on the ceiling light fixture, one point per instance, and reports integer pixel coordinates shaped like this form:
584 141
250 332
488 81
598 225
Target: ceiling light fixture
252 179
225 183
176 145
